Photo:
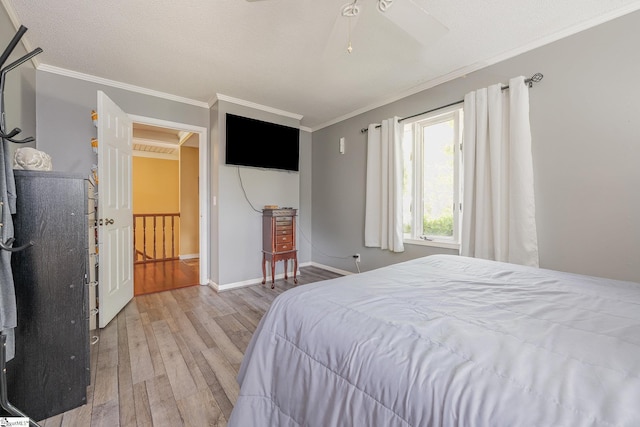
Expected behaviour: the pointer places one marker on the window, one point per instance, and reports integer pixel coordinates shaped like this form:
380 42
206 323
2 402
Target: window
431 187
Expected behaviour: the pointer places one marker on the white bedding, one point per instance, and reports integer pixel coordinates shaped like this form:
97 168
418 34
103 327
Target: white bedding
446 341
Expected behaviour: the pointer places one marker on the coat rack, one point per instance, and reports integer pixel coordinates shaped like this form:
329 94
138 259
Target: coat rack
7 207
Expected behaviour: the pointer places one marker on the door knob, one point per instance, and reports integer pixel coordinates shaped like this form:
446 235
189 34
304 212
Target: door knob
108 221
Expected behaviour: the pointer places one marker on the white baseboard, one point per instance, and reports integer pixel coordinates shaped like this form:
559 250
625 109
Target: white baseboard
250 282
335 270
189 256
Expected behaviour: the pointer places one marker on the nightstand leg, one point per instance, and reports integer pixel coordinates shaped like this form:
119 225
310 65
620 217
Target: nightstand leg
273 272
264 268
295 269
286 267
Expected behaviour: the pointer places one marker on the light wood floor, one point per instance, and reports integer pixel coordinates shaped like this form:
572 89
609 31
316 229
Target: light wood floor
171 358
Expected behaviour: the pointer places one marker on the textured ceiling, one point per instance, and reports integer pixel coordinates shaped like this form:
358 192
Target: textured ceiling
291 54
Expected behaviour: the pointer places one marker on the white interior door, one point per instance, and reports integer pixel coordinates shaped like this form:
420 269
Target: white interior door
115 214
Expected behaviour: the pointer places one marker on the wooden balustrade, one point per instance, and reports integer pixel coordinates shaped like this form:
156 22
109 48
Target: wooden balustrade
155 237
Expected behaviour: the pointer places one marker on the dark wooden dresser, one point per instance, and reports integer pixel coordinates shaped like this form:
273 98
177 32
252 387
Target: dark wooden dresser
279 241
51 370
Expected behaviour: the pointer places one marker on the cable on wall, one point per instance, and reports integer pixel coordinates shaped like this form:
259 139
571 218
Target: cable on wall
245 192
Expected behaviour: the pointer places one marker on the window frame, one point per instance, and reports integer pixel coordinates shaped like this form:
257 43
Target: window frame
418 125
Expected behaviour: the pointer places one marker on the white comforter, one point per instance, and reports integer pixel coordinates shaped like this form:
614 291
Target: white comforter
446 341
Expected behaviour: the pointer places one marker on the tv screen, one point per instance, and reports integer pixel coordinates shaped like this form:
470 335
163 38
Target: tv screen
261 144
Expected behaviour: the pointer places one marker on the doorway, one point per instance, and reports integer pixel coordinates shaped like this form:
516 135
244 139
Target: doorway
170 209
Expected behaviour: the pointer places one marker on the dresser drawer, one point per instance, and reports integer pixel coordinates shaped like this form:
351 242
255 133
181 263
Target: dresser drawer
283 247
284 230
284 238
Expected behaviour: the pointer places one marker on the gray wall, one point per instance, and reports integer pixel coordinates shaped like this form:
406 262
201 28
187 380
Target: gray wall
20 88
64 127
585 118
239 227
305 218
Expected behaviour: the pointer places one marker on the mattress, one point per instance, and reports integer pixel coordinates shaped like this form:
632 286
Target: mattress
446 341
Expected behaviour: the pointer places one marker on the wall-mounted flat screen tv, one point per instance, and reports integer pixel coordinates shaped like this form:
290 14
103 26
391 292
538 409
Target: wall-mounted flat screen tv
261 144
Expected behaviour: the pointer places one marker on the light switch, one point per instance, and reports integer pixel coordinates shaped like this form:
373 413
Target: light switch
342 145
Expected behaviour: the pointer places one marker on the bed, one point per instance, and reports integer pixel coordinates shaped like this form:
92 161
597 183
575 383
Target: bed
446 341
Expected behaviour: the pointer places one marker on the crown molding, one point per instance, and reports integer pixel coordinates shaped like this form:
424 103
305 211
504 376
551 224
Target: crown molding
306 129
462 72
221 97
131 88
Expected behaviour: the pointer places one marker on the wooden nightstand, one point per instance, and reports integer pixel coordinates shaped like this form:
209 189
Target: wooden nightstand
279 241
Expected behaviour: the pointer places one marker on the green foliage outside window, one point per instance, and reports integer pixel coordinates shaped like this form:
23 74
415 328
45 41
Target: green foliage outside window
442 226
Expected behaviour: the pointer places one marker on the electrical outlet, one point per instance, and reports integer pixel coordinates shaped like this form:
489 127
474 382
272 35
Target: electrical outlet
357 257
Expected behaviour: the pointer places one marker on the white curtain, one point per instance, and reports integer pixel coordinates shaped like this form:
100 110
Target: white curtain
499 209
383 212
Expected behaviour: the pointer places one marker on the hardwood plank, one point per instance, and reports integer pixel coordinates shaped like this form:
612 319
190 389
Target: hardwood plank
216 302
55 421
154 351
162 404
198 378
80 416
200 409
214 385
249 325
139 354
180 324
165 276
125 385
222 340
178 373
225 373
106 389
105 414
200 329
235 330
141 401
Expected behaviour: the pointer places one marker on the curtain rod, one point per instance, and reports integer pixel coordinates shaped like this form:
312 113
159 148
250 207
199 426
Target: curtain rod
537 77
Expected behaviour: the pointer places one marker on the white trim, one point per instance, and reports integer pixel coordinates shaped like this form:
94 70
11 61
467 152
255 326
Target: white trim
306 129
204 184
153 155
332 269
245 283
221 97
462 72
189 256
125 86
432 243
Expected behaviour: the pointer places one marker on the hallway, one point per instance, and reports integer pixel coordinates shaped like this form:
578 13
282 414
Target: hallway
165 275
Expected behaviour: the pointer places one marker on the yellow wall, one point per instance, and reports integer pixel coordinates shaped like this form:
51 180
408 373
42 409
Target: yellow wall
155 185
189 203
156 190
